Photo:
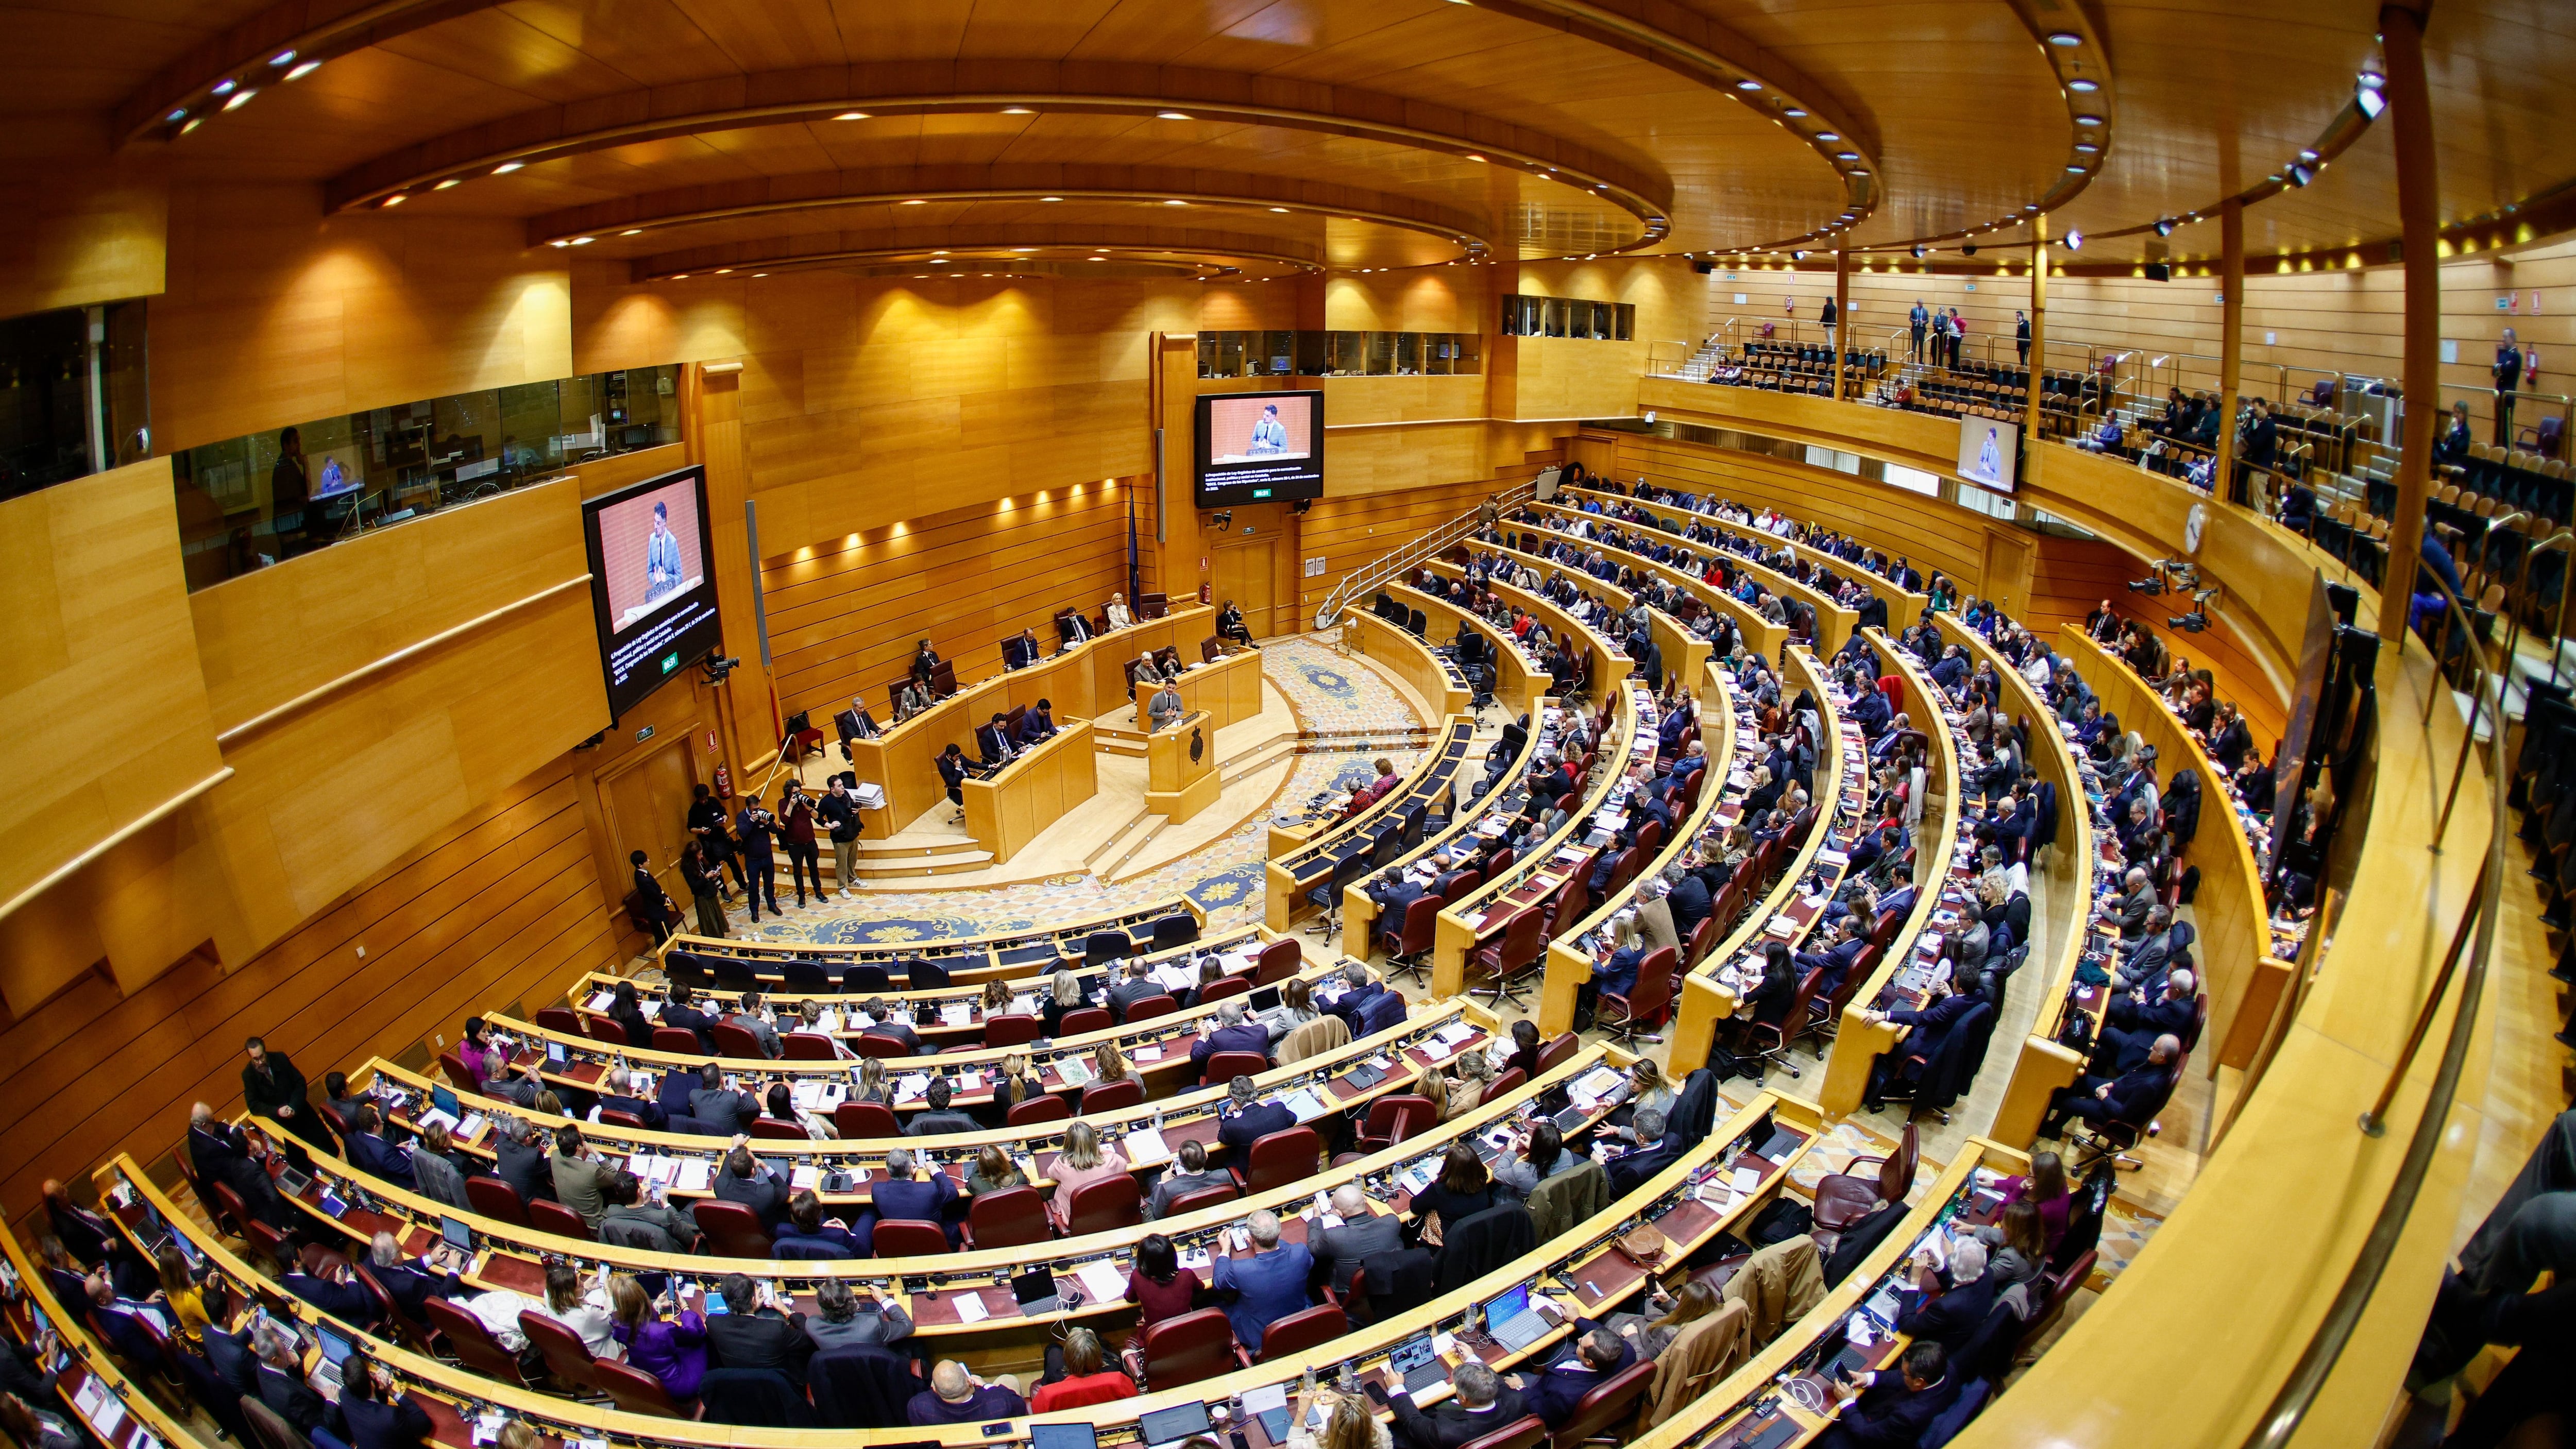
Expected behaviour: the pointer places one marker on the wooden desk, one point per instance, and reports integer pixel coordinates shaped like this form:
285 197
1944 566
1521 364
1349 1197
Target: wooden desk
1518 681
969 960
1483 819
1036 790
1435 678
1082 682
1299 864
1834 623
1227 692
1760 635
1181 775
1683 651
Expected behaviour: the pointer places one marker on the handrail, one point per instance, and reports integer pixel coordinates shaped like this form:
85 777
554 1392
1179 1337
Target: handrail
1403 556
2307 1378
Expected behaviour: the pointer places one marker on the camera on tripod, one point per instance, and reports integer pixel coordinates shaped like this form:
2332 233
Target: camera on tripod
2170 573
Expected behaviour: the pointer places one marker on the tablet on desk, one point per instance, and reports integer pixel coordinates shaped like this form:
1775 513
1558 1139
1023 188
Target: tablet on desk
1063 1436
1162 1427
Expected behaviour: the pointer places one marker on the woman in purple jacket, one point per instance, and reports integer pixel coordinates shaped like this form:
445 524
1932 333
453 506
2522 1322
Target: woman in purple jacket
672 1350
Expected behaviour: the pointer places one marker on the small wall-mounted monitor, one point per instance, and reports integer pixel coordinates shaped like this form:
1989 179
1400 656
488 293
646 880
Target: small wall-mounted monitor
1259 447
652 582
1989 451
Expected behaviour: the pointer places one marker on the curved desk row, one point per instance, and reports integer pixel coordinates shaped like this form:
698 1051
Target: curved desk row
1942 869
1302 866
1718 984
1760 635
1492 814
1834 623
1435 678
1083 682
1227 688
1609 661
120 1411
967 959
1518 681
1683 651
1903 604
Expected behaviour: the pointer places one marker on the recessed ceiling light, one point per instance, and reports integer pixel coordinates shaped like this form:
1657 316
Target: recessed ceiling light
851 116
1172 115
225 86
2307 155
1024 249
1050 198
583 241
175 117
240 99
632 231
396 199
1795 114
760 274
1017 111
282 58
301 71
2078 171
2084 85
916 201
1472 156
1280 209
2065 39
2088 120
506 167
442 186
1176 202
2086 148
1827 136
1846 155
680 277
1748 85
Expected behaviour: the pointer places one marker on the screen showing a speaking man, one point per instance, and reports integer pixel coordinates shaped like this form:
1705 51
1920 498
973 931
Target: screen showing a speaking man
651 582
1986 453
1260 447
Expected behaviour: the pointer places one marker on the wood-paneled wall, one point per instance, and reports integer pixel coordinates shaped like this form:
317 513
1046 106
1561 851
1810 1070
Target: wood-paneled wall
843 614
498 906
1350 533
88 223
2071 577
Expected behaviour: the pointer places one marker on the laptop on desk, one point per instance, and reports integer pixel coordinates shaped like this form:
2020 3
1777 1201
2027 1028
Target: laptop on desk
1036 1291
1512 1322
1417 1364
292 1183
1163 1428
326 1374
1063 1436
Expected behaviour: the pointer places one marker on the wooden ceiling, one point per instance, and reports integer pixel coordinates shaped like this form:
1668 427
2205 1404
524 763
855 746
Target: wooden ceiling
1305 133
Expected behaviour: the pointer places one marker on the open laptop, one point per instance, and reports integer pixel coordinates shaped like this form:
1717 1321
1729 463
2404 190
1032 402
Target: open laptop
1417 1364
457 1235
292 1183
1063 1436
1036 1291
1265 1007
1161 1428
445 1101
1512 1322
556 1056
326 1374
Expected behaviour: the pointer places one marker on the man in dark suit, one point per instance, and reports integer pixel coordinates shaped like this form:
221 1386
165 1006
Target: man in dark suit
1482 1404
220 1153
1948 1308
1342 1250
520 1154
752 1334
940 1119
904 1197
1836 960
1133 985
1244 1121
744 1180
1893 1409
2136 1020
409 1286
1360 990
617 1094
680 1009
1688 901
273 1088
336 1291
721 1111
885 1023
1230 1034
2132 1096
1072 628
1598 1354
1394 892
369 1152
925 663
280 1383
1655 1151
1020 652
993 743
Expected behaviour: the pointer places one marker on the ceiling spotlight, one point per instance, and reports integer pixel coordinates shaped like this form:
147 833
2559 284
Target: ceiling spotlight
193 123
851 116
2083 85
1172 115
1846 155
724 271
1798 256
1176 203
2367 96
1748 85
2075 241
632 231
1017 111
225 86
1969 250
1795 114
2301 175
175 117
2087 148
1024 249
1050 198
240 99
1828 136
583 241
506 167
2088 120
2065 39
680 277
915 201
301 71
1472 156
398 199
2164 226
2307 155
760 274
2075 170
282 59
1283 211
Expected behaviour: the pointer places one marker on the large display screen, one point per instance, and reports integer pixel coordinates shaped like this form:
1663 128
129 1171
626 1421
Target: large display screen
1260 447
1986 452
652 582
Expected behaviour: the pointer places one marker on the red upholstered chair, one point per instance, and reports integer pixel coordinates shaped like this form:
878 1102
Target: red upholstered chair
1605 1408
634 1390
865 1119
567 1357
1011 1218
1042 1108
808 1046
1514 956
1644 1005
1088 1019
1213 1195
1277 962
735 1041
770 1129
459 1075
611 1117
732 1230
1561 1048
1505 1082
555 1218
497 1200
1188 1348
1703 938
1100 1207
1225 986
1525 1432
1226 1066
1110 1096
563 1019
1151 1007
1407 942
1010 1028
1285 1340
602 1030
1770 1041
472 1343
871 1044
1391 1119
410 1332
907 1238
1845 1197
676 1039
1279 1159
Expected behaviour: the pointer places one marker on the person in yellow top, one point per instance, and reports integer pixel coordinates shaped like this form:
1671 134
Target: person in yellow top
187 1301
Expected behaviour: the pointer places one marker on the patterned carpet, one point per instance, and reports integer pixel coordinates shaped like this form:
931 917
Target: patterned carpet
1224 876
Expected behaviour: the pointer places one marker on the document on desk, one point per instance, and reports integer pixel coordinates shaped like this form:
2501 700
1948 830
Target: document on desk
1454 1033
970 1306
957 1013
1306 1105
1146 1148
801 1178
1146 1054
1597 1083
695 1175
911 1087
1102 1280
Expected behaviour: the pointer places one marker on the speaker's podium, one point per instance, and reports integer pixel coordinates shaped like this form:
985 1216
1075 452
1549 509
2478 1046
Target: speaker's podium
1180 767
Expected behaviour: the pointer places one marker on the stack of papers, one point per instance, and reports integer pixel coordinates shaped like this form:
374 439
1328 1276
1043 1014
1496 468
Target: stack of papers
911 1086
694 1175
1102 1281
1454 1033
1145 1148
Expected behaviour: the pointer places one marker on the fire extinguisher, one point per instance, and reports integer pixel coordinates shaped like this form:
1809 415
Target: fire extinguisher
724 781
